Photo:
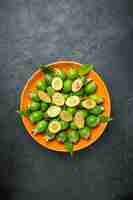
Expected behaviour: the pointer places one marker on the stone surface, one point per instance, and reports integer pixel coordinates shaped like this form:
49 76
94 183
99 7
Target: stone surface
42 31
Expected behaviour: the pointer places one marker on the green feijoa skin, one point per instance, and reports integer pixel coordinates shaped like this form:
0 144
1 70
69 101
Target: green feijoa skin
85 69
60 73
79 93
64 125
41 85
36 116
61 137
84 113
40 127
97 98
49 136
73 126
72 73
92 121
85 132
73 136
34 106
34 97
50 91
72 110
67 87
96 110
44 106
48 78
90 88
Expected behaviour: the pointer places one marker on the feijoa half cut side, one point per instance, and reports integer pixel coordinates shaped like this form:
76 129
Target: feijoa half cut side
53 111
72 101
57 83
44 96
54 126
88 104
58 99
77 85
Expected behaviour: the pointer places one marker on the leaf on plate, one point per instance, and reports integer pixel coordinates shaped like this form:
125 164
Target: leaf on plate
69 147
23 113
85 69
45 68
104 119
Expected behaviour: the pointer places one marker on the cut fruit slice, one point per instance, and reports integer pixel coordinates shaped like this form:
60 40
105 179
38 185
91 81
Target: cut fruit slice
58 99
79 120
53 111
77 85
44 96
66 116
88 104
54 127
73 101
57 83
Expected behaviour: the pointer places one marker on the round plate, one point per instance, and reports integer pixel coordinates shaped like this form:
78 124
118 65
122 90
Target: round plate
54 145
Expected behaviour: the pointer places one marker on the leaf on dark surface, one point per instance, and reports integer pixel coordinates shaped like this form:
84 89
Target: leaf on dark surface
69 147
104 119
85 69
23 113
45 68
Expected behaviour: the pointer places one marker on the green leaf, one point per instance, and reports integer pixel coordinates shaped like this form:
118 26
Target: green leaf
23 113
104 119
45 68
75 53
85 69
69 147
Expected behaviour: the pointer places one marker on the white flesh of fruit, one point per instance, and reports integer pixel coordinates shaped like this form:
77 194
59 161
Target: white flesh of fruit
72 101
77 85
54 127
57 83
88 104
58 99
79 120
53 111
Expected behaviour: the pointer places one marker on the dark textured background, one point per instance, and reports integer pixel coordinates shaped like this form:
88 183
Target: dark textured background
37 31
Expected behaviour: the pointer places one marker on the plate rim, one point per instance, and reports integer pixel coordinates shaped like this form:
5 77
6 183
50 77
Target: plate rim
64 150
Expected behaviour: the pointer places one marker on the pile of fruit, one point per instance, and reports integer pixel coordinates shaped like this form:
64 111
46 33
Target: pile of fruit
65 106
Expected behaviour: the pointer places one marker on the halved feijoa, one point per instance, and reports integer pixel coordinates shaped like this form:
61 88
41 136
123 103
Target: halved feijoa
58 99
44 96
77 85
66 116
54 126
53 111
88 103
79 120
57 83
72 101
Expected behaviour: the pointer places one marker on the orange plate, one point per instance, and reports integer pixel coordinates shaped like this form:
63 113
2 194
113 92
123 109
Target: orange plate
54 145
